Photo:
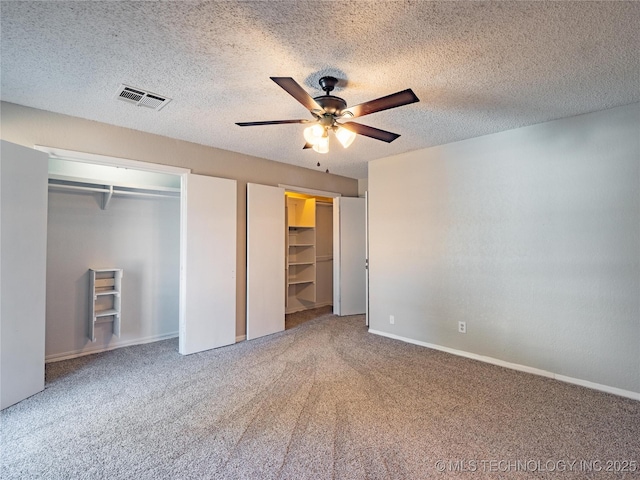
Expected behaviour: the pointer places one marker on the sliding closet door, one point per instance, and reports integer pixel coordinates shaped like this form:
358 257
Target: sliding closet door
207 263
349 246
23 272
265 260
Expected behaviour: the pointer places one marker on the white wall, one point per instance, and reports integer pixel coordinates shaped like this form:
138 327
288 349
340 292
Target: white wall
531 236
139 235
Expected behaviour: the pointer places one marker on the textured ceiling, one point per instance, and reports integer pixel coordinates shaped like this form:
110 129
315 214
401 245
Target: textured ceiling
477 67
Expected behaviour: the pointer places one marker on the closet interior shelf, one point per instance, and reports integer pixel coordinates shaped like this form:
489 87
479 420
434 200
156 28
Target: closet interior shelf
62 182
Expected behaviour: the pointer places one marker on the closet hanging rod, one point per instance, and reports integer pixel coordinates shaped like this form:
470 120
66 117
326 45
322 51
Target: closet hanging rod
145 194
68 179
76 187
115 191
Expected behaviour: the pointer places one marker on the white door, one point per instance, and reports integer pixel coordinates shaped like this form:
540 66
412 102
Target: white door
23 272
349 256
265 260
207 263
366 254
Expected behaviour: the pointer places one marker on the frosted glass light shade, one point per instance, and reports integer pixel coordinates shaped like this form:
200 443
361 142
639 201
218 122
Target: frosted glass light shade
345 137
322 146
313 134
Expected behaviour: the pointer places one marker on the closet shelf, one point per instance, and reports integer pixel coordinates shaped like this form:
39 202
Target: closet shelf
300 282
64 182
107 292
107 313
302 245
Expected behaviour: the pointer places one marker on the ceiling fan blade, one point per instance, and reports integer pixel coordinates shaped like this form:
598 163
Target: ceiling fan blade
370 131
272 122
307 145
296 91
394 100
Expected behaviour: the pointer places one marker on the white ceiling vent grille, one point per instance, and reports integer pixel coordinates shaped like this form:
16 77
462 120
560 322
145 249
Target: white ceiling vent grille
141 98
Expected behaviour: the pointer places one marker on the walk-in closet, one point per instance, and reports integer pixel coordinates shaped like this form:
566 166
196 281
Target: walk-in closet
308 252
305 249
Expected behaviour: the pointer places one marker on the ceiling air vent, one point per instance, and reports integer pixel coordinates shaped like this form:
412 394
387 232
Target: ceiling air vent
141 98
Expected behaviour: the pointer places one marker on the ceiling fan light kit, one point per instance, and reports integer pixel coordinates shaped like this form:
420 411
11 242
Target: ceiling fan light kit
345 136
328 109
323 145
314 133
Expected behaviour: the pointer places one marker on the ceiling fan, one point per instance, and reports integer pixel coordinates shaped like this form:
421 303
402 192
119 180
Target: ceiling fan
328 109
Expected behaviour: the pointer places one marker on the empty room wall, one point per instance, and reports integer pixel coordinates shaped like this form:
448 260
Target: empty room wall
139 235
530 236
28 126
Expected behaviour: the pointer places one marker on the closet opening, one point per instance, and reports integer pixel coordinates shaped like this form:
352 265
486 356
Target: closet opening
308 257
120 223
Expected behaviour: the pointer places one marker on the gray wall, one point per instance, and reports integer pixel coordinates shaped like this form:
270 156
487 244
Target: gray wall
531 236
29 127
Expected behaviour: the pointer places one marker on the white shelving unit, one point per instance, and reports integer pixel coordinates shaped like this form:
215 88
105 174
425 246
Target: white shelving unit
301 253
105 287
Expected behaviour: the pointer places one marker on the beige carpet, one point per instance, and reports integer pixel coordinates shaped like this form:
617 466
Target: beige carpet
320 401
292 320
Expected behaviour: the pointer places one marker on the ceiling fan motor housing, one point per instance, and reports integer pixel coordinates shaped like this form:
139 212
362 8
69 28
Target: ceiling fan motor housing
330 104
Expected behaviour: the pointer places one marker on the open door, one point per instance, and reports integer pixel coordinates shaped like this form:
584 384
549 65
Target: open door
265 260
366 261
207 263
23 272
349 244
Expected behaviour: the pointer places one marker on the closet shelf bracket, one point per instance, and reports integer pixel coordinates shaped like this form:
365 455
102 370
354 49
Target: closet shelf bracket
106 197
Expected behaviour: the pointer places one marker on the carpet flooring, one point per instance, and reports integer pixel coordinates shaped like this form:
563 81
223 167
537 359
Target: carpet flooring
293 320
324 400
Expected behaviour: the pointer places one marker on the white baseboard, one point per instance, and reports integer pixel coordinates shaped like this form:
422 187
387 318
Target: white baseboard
57 357
241 338
515 366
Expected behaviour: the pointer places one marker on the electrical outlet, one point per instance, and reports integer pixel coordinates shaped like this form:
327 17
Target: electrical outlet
462 327
392 319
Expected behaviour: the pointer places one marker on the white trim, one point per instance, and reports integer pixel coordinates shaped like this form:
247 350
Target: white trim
515 366
75 156
241 338
597 386
57 357
309 191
